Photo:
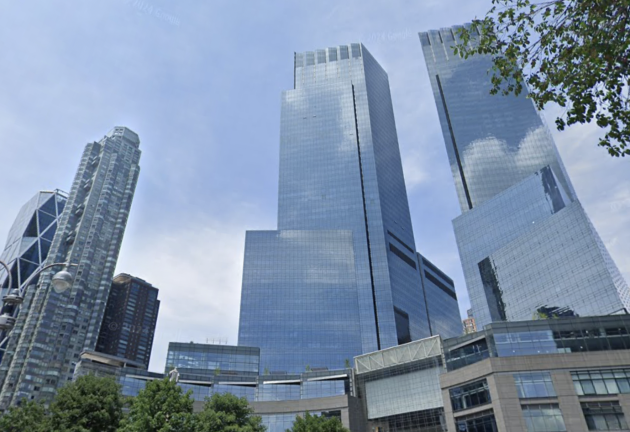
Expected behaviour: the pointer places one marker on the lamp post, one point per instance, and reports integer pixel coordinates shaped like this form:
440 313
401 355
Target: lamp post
61 282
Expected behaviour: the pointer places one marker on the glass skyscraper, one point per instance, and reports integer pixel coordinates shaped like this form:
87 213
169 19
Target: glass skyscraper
527 247
340 276
30 236
28 244
45 344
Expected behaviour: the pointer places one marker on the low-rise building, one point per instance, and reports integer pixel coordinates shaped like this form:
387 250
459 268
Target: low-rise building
569 374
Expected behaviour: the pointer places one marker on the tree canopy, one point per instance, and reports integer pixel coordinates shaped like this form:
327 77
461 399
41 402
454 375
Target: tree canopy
313 423
228 413
29 416
575 53
161 406
89 404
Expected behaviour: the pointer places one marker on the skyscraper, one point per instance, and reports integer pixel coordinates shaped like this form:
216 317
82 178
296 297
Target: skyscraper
129 320
46 343
527 247
28 244
31 235
340 276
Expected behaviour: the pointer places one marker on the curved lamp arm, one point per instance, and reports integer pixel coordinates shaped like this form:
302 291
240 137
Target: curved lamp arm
37 272
22 290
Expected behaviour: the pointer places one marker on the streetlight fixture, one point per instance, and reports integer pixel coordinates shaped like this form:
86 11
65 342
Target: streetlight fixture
61 282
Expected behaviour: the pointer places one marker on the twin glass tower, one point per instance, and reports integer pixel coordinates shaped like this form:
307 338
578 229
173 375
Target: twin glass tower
341 275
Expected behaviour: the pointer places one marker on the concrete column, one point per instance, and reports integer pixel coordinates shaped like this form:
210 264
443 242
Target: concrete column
448 411
569 402
624 401
506 404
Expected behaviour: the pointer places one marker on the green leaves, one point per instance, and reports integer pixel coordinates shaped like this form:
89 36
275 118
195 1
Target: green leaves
311 423
89 404
29 416
228 413
161 406
570 52
93 404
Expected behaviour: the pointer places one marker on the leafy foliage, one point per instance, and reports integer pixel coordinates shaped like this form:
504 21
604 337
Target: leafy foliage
575 53
228 413
160 407
30 416
89 404
311 423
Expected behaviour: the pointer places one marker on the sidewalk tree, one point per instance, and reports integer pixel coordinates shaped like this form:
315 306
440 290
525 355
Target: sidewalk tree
313 423
161 406
89 404
29 416
228 413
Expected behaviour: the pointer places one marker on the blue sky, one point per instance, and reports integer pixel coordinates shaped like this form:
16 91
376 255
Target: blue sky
200 82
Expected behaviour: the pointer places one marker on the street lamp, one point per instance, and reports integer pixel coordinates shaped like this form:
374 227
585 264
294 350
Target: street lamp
61 282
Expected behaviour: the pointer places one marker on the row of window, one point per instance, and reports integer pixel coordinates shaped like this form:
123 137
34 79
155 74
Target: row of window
599 416
539 385
602 382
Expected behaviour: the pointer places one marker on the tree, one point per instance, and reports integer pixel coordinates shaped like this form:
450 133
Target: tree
161 406
228 413
30 416
575 53
89 404
312 423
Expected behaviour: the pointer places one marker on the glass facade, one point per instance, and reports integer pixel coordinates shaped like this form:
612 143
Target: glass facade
278 392
567 335
543 418
534 385
340 277
30 236
602 382
212 360
130 318
284 422
441 299
400 389
47 345
527 247
28 244
319 389
604 416
470 395
299 300
466 354
483 421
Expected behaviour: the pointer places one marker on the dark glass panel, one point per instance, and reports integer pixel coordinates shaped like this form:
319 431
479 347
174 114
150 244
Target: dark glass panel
44 220
49 234
49 207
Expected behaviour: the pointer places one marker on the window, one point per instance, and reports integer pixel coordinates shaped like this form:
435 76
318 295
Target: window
400 254
601 382
343 52
470 395
402 326
534 385
604 416
543 418
479 422
466 355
